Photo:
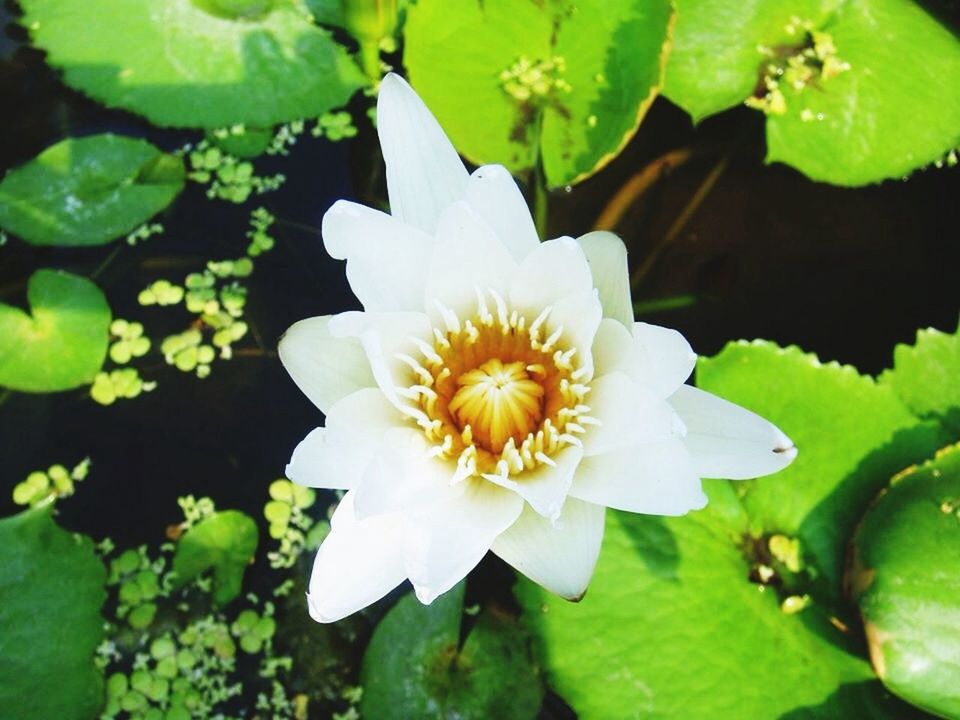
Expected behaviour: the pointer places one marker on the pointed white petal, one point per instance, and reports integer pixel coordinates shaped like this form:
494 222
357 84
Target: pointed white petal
424 172
656 478
728 441
607 256
444 541
337 455
358 563
325 368
386 258
468 256
560 556
614 349
579 315
545 487
550 272
628 413
384 335
495 198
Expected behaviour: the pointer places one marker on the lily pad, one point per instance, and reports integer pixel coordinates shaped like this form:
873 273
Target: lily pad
225 543
51 591
513 82
896 109
62 343
906 578
88 191
738 610
415 667
196 63
925 376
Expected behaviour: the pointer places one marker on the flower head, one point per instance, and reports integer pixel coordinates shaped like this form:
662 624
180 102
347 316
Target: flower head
495 392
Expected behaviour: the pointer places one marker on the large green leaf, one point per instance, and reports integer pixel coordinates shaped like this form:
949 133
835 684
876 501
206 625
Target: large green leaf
607 57
415 667
906 576
88 191
225 543
196 63
673 624
896 109
51 591
717 51
62 342
926 376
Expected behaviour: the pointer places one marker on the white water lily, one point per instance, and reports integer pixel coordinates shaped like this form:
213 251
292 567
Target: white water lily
495 393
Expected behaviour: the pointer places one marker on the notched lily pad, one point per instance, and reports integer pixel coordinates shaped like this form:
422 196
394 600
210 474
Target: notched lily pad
197 63
88 191
906 578
225 543
62 343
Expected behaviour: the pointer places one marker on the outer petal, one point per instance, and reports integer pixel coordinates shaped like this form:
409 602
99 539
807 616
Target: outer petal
655 478
658 358
728 441
579 315
550 272
468 257
545 488
495 198
560 556
607 256
628 413
357 564
324 367
386 258
445 541
336 456
424 172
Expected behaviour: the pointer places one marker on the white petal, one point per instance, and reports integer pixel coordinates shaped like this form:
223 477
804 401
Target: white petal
560 556
336 456
550 272
495 198
383 336
728 441
424 172
656 478
386 258
324 367
546 486
628 413
579 315
358 563
468 256
402 474
444 541
657 358
614 349
607 256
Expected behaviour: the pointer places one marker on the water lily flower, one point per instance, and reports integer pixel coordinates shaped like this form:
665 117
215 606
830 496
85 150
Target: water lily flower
495 394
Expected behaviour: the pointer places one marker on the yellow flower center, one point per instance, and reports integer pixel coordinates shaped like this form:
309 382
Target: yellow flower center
498 393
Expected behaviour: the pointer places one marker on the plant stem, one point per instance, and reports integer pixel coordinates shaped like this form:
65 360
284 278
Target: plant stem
106 261
370 59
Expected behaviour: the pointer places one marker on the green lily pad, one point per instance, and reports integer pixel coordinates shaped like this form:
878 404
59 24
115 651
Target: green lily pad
62 342
196 63
88 191
224 542
513 82
718 48
738 610
906 578
415 667
896 109
51 591
925 376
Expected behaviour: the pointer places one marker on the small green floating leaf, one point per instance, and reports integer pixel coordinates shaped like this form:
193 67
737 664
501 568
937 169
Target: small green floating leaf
51 591
224 542
895 110
414 668
88 191
197 63
491 70
906 578
62 342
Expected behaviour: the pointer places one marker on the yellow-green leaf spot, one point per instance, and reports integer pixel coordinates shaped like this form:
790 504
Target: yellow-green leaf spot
787 551
793 604
535 82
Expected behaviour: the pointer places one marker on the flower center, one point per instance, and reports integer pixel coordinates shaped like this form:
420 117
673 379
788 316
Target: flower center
499 394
